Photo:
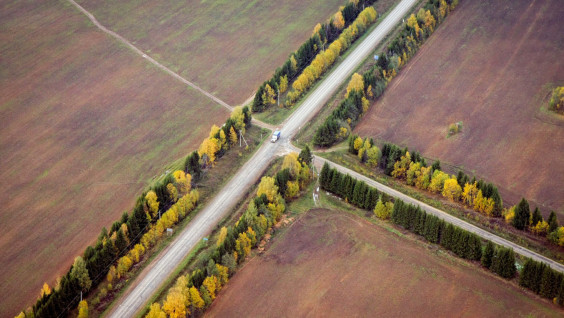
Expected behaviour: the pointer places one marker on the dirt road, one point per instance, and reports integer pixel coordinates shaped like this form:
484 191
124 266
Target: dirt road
153 276
147 57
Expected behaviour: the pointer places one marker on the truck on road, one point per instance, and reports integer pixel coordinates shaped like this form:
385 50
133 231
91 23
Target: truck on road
275 136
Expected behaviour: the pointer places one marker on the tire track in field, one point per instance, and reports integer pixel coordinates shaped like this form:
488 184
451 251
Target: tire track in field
147 57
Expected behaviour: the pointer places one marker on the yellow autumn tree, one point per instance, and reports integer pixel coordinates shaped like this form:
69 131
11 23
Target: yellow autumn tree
155 311
316 29
210 283
196 299
293 63
283 84
45 290
292 164
269 96
438 181
470 193
338 20
452 189
223 274
292 190
233 136
152 203
183 181
82 309
222 236
356 83
412 23
239 118
412 173
208 148
430 21
423 179
243 246
267 187
541 228
401 166
124 264
174 305
172 191
112 273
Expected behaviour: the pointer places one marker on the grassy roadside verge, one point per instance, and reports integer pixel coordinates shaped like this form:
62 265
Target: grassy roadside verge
211 182
276 115
496 226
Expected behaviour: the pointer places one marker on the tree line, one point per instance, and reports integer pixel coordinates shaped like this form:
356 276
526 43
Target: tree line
194 292
536 276
161 206
372 83
315 55
481 196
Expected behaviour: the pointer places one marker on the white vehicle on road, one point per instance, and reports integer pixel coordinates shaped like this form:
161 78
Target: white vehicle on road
275 136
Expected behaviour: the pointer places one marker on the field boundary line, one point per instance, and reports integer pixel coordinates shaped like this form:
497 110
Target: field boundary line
147 57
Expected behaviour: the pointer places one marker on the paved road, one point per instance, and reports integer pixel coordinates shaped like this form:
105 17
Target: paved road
445 216
153 276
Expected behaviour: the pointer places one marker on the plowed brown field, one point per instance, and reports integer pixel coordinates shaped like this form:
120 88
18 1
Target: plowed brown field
490 65
333 264
226 47
86 123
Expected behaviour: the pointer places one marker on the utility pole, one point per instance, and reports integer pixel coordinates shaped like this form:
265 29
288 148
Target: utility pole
278 96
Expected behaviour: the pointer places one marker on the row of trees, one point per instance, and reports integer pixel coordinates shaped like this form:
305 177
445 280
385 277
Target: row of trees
536 276
345 117
194 292
312 59
479 195
372 83
543 280
356 192
323 61
461 242
163 205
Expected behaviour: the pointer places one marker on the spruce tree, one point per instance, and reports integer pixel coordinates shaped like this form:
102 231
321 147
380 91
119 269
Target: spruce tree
192 166
552 222
537 217
527 273
121 243
498 203
305 156
324 176
335 181
522 214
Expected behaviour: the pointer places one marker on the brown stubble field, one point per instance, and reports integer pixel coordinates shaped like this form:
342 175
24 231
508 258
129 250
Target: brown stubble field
334 264
226 47
85 125
490 65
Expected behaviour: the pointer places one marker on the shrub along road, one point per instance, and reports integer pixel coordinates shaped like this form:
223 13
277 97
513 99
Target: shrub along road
156 274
